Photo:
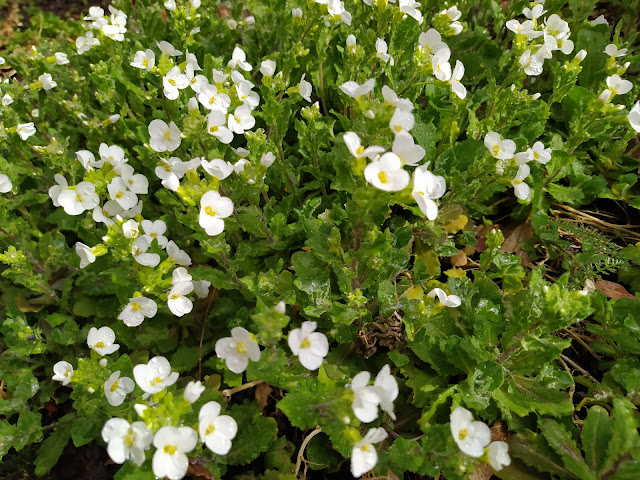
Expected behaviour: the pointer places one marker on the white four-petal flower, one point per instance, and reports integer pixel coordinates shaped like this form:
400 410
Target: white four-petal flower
309 346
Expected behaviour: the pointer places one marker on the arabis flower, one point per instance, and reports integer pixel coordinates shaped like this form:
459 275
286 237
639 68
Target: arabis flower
107 212
212 100
137 310
217 168
114 154
136 182
173 82
119 192
617 86
25 130
532 64
155 375
352 141
634 117
445 300
364 455
126 441
309 346
77 201
499 148
155 230
454 81
238 349
431 41
304 89
166 47
193 390
381 50
116 388
63 371
471 437
351 43
144 59
164 138
216 431
612 51
427 187
177 300
521 189
177 255
241 120
401 121
140 255
535 12
88 160
216 121
213 208
407 151
365 398
440 64
84 44
85 254
386 387
387 174
5 183
131 229
238 59
498 453
268 68
169 460
354 90
47 82
101 341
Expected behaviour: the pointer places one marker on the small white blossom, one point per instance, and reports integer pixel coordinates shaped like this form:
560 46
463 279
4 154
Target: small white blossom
119 192
25 130
216 126
634 117
61 58
193 390
237 350
179 256
63 371
532 64
364 455
305 89
354 90
126 441
137 310
387 174
164 138
352 141
155 375
521 189
85 254
84 44
498 453
144 60
617 86
131 229
155 230
216 431
140 255
102 341
241 120
440 64
213 209
268 68
5 183
445 300
114 154
167 48
401 121
117 388
471 437
499 148
427 187
172 444
217 168
77 201
407 151
177 300
238 59
309 346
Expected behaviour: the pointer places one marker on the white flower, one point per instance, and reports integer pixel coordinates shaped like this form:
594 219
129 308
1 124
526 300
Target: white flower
386 387
237 350
498 453
365 398
407 151
164 138
105 213
387 174
241 120
440 64
155 375
471 437
427 187
196 82
430 41
63 371
391 97
85 254
238 59
268 68
126 441
144 60
535 12
177 301
599 21
193 390
411 8
155 230
445 300
354 90
114 32
216 121
309 346
634 117
581 55
137 310
136 182
77 201
305 89
7 100
47 81
201 288
212 100
84 44
296 12
130 229
217 168
267 159
113 154
532 64
25 130
116 388
540 154
499 148
381 50
521 189
617 86
351 43
119 192
5 183
173 82
140 255
364 456
170 5
213 208
216 431
177 255
401 121
101 341
88 160
352 141
454 81
167 48
169 460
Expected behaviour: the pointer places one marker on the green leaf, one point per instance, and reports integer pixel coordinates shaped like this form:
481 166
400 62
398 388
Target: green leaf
565 446
255 433
596 436
52 447
523 395
532 449
624 435
84 430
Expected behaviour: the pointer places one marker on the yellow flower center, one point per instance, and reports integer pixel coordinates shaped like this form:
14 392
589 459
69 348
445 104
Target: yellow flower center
167 135
213 129
174 296
360 150
383 177
156 380
170 449
145 63
536 155
153 234
365 448
210 211
79 197
99 345
210 430
135 306
398 128
114 386
172 81
237 118
241 348
305 343
128 440
463 434
517 182
167 167
119 194
496 150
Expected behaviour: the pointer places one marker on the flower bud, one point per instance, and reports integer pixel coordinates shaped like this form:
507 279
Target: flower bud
193 390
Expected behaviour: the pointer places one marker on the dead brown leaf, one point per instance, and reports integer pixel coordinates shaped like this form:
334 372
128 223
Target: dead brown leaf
30 305
499 431
480 234
512 243
613 290
459 260
483 472
391 475
199 471
262 395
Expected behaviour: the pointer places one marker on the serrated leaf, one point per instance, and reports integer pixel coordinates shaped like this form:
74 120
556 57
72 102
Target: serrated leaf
255 433
52 447
564 445
596 435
